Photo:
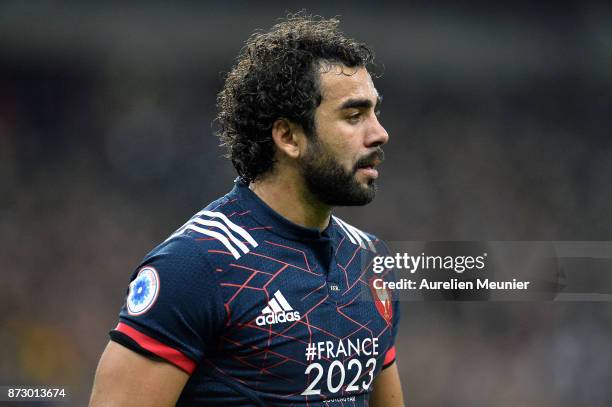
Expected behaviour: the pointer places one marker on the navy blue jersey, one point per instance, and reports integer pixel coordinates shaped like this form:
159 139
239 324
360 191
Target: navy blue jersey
261 311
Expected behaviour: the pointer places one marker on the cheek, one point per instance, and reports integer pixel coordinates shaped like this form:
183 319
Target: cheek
347 158
344 138
341 140
348 153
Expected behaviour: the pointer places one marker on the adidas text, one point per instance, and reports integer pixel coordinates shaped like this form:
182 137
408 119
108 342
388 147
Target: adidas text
271 319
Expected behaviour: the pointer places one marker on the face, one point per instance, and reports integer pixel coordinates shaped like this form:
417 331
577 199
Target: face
339 164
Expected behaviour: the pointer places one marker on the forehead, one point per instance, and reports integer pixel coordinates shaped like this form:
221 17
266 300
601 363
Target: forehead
339 83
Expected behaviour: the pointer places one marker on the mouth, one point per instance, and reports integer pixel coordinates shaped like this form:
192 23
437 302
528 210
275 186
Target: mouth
368 165
369 169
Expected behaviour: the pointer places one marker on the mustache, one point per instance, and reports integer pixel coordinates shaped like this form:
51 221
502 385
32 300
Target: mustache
368 160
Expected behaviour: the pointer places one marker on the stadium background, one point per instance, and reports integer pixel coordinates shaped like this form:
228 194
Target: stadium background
500 130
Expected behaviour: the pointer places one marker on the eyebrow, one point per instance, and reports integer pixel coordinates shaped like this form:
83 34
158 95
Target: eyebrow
361 103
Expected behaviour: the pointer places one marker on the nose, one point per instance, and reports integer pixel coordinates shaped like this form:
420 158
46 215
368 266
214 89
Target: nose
377 136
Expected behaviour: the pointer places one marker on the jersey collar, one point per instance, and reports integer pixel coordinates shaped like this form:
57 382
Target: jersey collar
272 220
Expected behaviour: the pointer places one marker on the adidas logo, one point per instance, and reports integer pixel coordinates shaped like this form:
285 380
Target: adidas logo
277 311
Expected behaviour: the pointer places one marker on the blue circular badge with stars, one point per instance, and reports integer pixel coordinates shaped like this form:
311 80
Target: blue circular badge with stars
143 291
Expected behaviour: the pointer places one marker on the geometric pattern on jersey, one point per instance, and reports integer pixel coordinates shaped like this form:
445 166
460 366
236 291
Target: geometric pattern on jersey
305 285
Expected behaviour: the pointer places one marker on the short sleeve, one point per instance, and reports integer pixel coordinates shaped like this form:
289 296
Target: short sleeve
391 353
390 275
173 308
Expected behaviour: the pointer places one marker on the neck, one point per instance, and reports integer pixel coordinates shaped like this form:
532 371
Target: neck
290 198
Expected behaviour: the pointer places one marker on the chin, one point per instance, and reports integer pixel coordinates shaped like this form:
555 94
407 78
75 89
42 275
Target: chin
366 182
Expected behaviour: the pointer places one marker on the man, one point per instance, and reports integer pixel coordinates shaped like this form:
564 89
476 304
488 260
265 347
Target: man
258 298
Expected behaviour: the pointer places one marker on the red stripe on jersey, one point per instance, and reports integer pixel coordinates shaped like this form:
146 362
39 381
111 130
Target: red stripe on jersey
389 356
154 346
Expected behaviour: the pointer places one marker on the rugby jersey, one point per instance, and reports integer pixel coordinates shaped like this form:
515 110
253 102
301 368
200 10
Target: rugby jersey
261 311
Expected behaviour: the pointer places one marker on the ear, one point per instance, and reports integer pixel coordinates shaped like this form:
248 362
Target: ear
288 137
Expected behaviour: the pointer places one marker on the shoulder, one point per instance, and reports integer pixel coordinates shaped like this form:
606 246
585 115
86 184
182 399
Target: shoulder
215 232
357 236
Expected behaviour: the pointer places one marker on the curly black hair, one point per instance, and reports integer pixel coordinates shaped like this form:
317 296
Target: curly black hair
276 76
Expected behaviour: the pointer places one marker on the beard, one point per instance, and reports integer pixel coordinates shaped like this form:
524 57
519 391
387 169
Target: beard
331 183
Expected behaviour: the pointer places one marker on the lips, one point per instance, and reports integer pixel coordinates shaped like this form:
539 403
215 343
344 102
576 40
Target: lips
368 164
369 171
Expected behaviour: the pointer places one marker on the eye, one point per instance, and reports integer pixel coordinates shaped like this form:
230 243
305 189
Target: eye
354 118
